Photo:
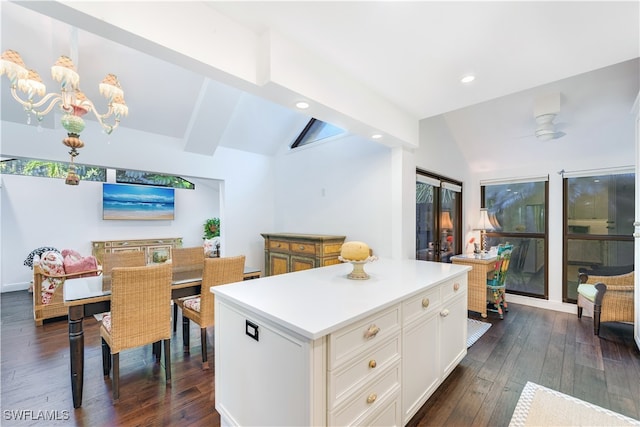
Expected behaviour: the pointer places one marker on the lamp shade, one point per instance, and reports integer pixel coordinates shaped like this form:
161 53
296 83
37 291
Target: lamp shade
484 223
445 221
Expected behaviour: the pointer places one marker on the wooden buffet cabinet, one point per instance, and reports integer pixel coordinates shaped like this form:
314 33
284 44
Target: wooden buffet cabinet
287 252
155 250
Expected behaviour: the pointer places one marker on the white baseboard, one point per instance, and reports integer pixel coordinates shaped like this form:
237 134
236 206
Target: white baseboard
543 303
12 287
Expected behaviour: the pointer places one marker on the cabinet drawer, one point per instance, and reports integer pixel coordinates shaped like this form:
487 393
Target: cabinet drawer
369 399
278 245
389 413
455 286
364 368
303 248
365 334
332 248
421 304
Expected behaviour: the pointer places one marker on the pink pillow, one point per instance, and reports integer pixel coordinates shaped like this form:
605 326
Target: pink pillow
73 265
72 253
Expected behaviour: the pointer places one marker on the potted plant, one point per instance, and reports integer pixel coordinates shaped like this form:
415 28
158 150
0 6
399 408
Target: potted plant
211 228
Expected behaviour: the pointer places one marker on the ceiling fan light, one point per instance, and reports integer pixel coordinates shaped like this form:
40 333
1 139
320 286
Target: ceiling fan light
544 135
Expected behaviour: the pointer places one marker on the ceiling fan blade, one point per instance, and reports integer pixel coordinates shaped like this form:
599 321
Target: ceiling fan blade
557 135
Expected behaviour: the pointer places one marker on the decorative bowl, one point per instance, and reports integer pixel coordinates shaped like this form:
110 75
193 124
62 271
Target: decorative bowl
358 272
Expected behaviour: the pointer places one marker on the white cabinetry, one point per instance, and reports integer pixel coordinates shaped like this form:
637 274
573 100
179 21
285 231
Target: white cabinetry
364 369
314 348
434 341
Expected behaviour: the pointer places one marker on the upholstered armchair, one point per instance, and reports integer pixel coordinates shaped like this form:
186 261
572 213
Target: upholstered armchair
606 298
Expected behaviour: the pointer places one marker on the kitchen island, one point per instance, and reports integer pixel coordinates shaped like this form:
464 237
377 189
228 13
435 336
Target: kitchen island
315 348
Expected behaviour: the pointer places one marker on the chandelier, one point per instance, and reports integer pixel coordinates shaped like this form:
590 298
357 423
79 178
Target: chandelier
73 103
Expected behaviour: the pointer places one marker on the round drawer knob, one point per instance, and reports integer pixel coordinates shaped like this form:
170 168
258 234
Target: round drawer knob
371 332
372 363
301 248
425 302
372 398
444 313
456 286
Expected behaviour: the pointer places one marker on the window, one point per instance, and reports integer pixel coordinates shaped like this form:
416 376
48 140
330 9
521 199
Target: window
599 212
47 169
316 130
148 178
518 214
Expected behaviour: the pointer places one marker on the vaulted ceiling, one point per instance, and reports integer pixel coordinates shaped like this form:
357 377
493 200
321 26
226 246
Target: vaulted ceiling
384 66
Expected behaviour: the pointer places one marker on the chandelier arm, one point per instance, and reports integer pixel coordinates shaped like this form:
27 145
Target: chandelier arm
102 117
32 106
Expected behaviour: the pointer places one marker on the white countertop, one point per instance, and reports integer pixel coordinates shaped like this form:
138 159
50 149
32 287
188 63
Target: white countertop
317 302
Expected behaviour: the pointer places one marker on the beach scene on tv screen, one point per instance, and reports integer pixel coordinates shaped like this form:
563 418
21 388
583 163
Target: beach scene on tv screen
137 202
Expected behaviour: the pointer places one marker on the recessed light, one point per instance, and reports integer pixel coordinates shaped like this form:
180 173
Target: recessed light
376 136
468 78
302 105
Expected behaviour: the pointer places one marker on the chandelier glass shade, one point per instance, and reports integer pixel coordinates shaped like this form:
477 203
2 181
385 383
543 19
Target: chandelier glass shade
71 101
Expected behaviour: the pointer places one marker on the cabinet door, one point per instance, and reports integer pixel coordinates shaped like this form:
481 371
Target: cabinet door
158 253
421 363
302 263
278 263
453 333
262 368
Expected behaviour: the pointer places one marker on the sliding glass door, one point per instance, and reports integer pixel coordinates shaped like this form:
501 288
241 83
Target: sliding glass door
438 217
599 211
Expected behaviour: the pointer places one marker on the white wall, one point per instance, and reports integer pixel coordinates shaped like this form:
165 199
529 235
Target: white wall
246 200
45 212
340 187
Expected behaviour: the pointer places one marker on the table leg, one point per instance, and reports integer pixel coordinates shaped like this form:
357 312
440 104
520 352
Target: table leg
185 334
76 348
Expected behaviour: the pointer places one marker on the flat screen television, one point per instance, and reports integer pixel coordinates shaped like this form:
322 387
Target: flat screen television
137 202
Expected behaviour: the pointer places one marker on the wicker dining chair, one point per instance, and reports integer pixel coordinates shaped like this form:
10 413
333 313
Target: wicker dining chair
200 309
185 259
140 315
122 259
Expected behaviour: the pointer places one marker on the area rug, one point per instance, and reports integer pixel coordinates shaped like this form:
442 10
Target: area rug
475 329
541 406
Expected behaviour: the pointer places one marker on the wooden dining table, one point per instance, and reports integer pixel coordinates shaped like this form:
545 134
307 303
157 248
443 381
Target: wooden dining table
87 296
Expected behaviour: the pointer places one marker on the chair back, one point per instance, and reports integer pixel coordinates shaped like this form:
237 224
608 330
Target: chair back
122 259
140 305
184 259
218 271
501 265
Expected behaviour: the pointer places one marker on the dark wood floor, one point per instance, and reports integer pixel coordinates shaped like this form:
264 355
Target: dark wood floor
552 349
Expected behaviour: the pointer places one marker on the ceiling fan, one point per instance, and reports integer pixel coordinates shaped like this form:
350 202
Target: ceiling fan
546 129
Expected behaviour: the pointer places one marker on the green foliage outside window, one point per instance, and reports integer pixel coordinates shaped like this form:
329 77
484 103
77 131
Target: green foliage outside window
46 169
148 178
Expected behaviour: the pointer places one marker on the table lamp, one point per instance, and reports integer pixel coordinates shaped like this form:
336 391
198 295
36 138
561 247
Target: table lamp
484 225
